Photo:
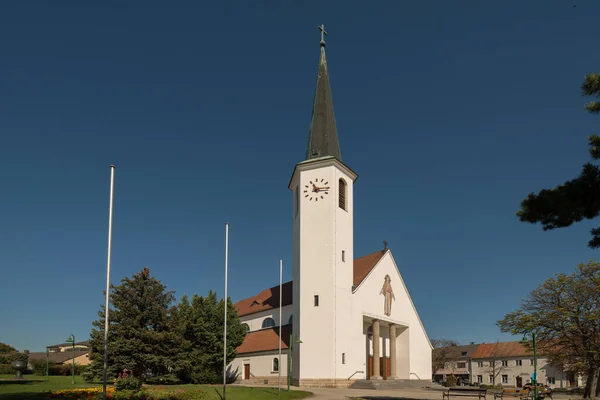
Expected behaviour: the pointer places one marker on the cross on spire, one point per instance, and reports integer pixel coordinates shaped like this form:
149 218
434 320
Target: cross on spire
323 33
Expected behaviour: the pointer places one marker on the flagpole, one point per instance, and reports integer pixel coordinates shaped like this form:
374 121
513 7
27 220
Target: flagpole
106 307
225 312
280 324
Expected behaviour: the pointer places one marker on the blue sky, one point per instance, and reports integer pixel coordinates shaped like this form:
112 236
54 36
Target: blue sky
450 112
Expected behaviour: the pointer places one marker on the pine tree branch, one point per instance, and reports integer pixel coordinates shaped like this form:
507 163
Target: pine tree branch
566 204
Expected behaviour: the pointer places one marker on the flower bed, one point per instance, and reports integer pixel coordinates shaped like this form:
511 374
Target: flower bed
81 393
146 393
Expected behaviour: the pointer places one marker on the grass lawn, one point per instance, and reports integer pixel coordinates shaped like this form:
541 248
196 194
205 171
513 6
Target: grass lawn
35 390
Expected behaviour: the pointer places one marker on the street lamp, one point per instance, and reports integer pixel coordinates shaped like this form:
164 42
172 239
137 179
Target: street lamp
71 339
534 376
289 358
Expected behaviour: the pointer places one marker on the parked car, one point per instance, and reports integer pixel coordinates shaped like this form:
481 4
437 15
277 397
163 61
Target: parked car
543 390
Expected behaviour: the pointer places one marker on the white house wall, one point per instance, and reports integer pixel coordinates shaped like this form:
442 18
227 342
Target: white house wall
261 364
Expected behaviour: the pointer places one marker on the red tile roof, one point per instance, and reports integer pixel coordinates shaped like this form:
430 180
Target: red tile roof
364 265
502 349
265 340
269 298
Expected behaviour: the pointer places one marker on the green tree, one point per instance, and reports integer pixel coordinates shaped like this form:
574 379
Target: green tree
141 336
564 312
578 198
200 322
4 348
442 351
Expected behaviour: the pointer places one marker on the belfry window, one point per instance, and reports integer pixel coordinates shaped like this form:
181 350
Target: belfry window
342 194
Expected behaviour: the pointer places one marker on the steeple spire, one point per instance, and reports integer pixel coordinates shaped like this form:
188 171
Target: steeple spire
323 139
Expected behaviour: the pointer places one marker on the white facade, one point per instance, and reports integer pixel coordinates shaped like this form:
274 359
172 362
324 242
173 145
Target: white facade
517 371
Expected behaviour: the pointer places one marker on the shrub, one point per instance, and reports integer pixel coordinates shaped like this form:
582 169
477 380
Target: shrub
6 369
451 381
127 382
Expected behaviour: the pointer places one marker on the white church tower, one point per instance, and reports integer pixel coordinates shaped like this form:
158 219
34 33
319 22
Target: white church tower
323 256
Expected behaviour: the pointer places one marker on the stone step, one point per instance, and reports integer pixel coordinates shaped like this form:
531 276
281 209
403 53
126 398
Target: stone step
383 384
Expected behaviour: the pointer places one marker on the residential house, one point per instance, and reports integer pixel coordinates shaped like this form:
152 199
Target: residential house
85 345
457 362
511 364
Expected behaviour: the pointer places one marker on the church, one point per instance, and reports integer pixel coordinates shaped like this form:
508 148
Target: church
343 319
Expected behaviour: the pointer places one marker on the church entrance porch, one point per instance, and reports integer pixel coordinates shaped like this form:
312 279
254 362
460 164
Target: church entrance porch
386 349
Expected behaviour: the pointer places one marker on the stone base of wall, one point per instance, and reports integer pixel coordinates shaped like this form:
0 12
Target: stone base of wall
263 380
323 383
307 383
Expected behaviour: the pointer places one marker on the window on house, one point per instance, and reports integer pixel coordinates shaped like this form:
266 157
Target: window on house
268 323
464 353
491 378
344 255
504 378
491 363
531 362
247 327
480 364
461 365
316 300
479 378
342 193
505 363
275 365
343 358
551 380
519 363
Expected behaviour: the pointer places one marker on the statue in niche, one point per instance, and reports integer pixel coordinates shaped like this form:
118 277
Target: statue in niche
388 294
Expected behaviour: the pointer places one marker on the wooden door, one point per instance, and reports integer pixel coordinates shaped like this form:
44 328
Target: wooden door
384 367
246 371
519 382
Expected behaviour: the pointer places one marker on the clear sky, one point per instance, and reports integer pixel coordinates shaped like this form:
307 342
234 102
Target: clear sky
450 112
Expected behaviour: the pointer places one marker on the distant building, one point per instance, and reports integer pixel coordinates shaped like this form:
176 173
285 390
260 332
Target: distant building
509 364
55 348
458 363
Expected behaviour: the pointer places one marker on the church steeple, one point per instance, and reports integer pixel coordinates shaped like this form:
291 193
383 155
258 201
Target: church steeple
323 139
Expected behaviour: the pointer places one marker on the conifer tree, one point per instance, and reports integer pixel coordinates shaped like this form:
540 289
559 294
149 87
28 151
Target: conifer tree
201 323
578 198
141 335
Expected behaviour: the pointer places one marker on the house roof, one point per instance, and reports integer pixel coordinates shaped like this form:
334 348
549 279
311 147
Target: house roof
502 350
458 352
268 299
265 340
57 357
84 343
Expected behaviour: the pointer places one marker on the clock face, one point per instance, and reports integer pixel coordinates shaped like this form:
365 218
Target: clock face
316 189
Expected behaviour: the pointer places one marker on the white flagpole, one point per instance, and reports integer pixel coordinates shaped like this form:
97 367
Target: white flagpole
106 308
225 312
280 324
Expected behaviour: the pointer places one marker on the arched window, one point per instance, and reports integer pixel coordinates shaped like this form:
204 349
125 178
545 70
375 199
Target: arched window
268 323
247 327
342 193
291 320
275 365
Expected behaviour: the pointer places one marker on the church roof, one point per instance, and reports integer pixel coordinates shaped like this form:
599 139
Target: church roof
265 340
323 138
268 299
